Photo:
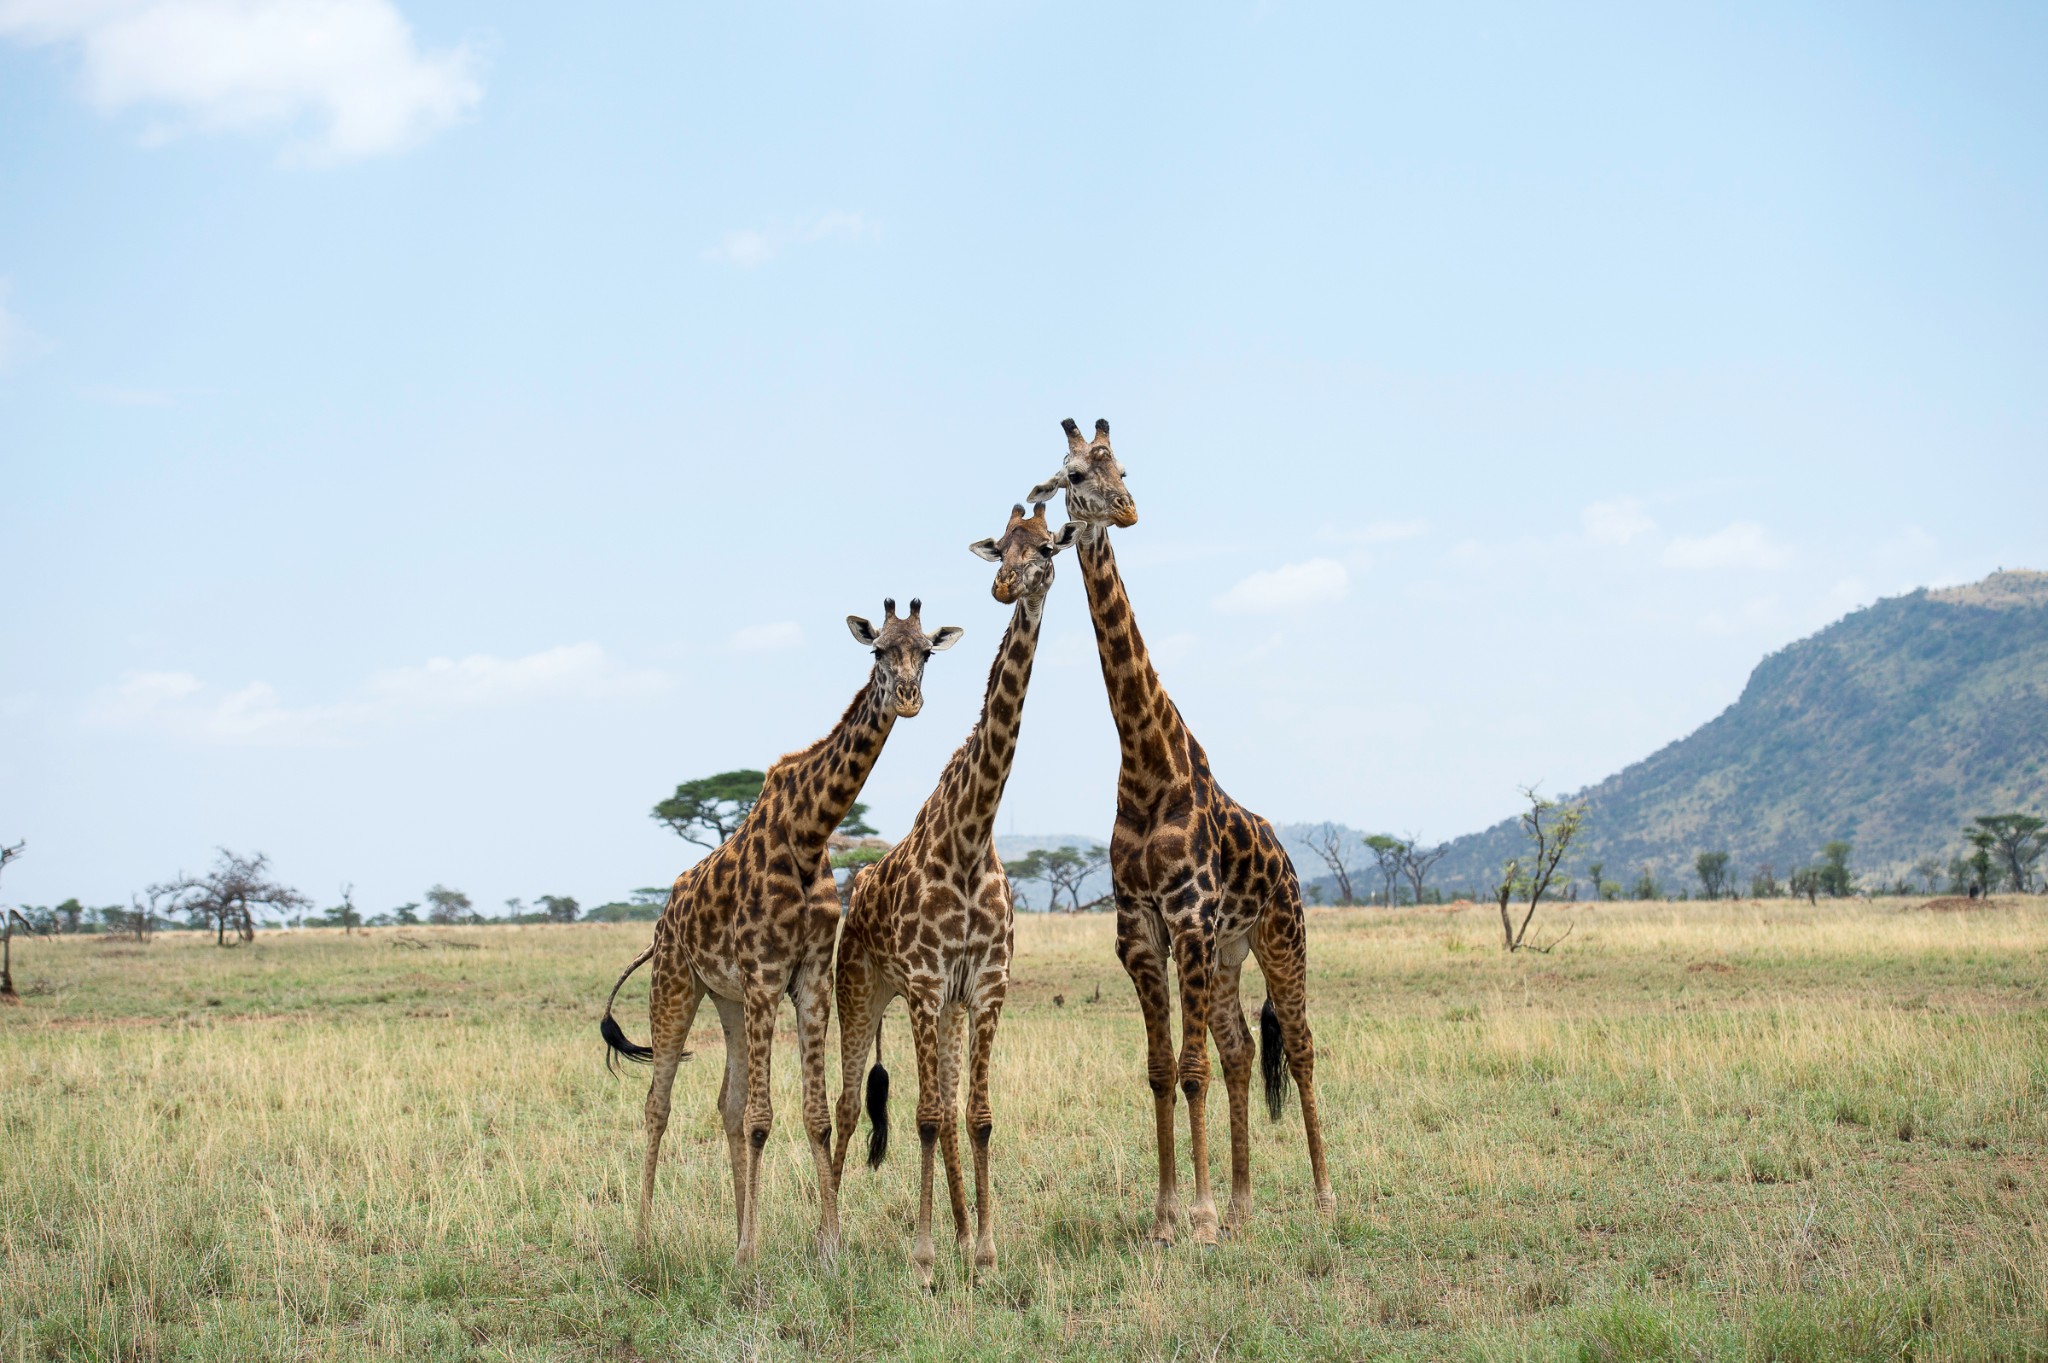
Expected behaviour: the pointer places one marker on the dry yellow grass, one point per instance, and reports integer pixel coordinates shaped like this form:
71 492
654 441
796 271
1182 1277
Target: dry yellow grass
1741 1130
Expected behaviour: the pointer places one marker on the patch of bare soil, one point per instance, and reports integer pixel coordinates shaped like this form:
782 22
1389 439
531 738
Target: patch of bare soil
1955 903
1713 967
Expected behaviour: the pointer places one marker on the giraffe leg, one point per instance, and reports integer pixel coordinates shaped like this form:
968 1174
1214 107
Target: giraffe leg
732 1103
951 1019
1195 961
981 1119
859 1013
813 997
1141 946
671 1040
924 1032
1283 956
1234 1045
761 1006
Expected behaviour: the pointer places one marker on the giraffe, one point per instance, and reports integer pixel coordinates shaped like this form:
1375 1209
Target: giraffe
1200 881
931 921
756 920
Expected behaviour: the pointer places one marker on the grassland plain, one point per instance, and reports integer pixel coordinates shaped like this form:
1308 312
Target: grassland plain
1754 1130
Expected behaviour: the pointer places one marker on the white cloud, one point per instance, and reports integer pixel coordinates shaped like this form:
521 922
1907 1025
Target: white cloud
749 247
1616 522
572 671
1741 545
180 705
341 77
1291 587
765 638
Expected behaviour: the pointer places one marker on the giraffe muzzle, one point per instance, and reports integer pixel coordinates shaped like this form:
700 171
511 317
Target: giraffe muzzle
1125 515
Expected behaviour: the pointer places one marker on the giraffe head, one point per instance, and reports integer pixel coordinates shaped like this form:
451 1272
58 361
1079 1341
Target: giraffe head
1025 551
901 649
1092 479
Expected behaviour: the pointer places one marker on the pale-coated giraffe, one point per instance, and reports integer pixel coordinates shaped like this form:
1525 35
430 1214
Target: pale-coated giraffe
1199 880
931 921
754 922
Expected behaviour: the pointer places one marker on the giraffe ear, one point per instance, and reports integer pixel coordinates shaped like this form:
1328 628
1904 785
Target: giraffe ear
986 549
947 636
1044 491
863 632
1066 536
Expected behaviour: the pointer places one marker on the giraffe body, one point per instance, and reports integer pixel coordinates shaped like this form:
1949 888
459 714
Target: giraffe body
754 923
1201 882
931 923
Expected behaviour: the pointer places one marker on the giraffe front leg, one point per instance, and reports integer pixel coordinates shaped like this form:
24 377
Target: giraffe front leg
759 1111
1140 945
813 999
1195 960
924 1032
981 1119
859 1010
951 1020
1234 1045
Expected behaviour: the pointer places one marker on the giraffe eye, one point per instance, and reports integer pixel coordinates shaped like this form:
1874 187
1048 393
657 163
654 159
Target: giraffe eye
1077 478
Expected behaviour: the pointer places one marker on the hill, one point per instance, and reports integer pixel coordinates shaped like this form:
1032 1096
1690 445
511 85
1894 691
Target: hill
1890 728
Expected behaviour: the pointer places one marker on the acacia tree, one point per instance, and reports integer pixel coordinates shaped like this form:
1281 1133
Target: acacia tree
559 908
1416 861
1332 843
710 809
1063 869
2013 842
229 895
1551 829
448 906
1712 869
1388 854
8 921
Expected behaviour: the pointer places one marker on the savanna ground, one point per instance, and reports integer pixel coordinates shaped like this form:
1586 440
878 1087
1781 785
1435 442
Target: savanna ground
1757 1130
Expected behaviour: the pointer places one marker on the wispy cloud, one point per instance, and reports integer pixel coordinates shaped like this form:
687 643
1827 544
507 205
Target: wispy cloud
342 79
1616 522
1741 545
749 247
180 705
1292 587
768 638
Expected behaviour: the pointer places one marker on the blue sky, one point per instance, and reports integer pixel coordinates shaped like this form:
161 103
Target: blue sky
431 430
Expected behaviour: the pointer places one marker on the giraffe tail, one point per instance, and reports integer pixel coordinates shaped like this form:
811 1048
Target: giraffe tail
1272 1059
616 1042
878 1107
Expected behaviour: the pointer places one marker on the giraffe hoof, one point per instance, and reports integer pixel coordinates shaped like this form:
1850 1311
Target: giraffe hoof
1326 1202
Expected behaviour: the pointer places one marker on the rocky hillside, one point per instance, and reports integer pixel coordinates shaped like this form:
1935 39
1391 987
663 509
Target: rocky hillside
1890 728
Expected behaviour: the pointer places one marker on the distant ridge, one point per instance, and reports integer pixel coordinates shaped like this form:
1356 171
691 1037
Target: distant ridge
1890 728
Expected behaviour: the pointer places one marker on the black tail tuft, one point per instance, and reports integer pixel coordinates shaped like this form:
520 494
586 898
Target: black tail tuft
617 1044
1272 1059
878 1116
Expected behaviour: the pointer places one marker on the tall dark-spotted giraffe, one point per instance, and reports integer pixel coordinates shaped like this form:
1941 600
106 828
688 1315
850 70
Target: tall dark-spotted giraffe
931 921
1200 881
754 923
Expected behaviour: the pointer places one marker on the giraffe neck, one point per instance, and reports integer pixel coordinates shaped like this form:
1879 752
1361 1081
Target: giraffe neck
973 782
1147 723
825 778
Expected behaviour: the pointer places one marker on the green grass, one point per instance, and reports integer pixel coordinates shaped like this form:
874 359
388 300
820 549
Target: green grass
1744 1131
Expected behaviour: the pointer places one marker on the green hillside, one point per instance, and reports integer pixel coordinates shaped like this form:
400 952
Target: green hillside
1890 728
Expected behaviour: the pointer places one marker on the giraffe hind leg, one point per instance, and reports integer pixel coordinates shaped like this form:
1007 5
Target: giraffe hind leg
672 1018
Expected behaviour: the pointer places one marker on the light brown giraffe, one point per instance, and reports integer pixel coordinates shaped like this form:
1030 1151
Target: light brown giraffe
1200 881
755 921
931 921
